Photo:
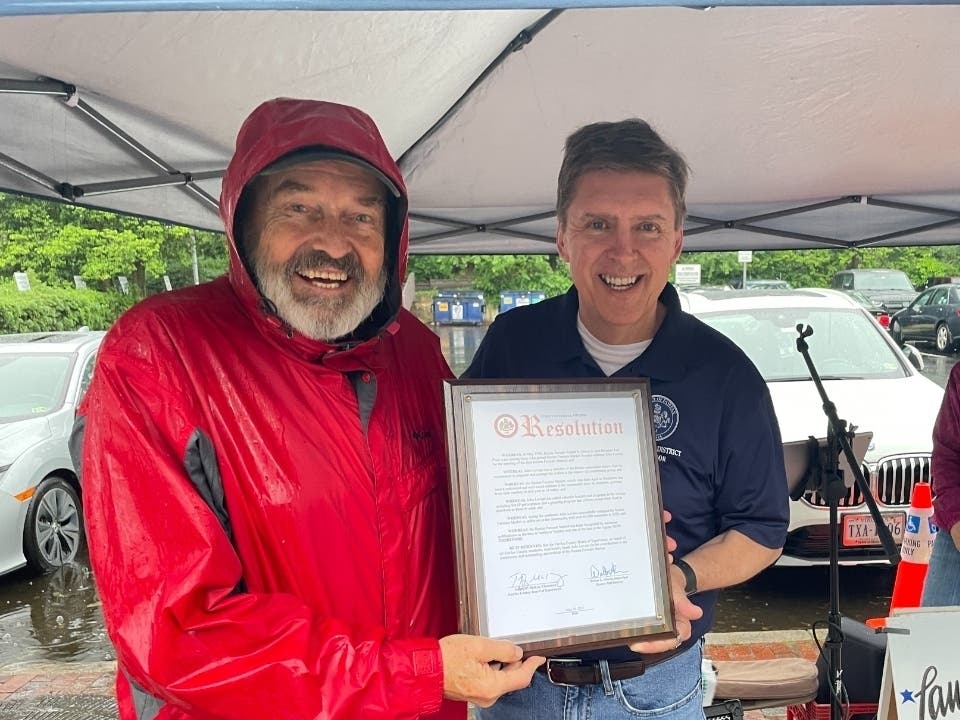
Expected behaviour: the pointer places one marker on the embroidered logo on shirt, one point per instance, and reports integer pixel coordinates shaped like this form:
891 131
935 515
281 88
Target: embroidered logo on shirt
666 417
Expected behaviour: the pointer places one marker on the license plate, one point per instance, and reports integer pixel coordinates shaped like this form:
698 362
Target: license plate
859 529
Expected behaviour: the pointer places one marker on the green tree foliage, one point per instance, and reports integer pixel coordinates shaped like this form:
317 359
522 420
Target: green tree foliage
53 242
815 268
177 254
801 268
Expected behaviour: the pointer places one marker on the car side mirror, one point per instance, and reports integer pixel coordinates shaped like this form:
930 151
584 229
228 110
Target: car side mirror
914 356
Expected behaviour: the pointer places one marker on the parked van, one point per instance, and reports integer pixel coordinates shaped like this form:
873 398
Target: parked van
891 288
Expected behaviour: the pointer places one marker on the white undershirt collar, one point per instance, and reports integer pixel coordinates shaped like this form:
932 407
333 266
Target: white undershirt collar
610 358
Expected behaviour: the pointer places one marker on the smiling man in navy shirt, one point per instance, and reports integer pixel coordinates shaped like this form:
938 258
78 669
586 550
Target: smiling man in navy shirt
620 210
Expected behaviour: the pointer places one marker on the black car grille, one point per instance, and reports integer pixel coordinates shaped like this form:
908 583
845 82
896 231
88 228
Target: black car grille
891 483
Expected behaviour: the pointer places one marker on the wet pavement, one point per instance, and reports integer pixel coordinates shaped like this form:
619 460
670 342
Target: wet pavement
459 343
52 618
794 598
938 367
56 662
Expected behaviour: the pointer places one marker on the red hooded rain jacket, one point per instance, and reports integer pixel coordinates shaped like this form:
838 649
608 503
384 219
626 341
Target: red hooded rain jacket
267 515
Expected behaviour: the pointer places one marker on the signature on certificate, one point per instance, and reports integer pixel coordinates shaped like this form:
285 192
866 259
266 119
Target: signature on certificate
538 581
607 573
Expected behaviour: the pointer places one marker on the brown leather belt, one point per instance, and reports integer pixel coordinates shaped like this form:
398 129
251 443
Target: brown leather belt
574 671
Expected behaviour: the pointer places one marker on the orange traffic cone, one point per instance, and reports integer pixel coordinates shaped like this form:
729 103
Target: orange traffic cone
918 536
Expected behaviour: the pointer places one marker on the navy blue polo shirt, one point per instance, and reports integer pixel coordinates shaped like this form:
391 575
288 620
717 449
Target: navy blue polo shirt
718 442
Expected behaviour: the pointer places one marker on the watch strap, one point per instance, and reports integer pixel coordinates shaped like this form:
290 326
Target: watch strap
690 577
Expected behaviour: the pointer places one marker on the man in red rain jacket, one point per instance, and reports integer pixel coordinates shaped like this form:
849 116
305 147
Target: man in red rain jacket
262 459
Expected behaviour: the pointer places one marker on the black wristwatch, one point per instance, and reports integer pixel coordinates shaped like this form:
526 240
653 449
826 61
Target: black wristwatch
689 576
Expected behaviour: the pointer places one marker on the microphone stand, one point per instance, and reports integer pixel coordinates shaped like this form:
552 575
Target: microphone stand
825 476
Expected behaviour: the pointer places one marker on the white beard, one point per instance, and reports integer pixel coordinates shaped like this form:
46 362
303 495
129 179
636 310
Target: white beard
324 319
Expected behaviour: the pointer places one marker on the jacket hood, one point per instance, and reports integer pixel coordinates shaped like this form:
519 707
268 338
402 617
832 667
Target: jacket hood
279 127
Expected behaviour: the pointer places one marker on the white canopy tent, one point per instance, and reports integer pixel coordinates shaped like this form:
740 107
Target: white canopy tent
805 126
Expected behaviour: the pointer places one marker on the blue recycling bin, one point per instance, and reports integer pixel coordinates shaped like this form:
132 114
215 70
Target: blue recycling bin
510 299
458 307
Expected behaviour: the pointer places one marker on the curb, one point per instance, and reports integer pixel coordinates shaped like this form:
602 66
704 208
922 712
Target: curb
758 637
62 668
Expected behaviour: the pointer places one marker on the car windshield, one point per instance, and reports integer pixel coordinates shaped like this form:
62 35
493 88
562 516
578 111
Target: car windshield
32 384
845 344
883 281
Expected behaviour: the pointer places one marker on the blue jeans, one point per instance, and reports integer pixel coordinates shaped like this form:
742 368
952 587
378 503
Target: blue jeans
668 691
942 585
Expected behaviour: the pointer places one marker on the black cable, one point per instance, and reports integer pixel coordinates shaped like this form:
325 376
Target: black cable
844 699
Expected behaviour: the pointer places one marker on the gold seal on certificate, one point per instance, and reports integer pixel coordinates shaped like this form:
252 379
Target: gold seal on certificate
557 513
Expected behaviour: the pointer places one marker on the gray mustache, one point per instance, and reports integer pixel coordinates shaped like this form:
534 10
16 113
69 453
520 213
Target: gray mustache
309 259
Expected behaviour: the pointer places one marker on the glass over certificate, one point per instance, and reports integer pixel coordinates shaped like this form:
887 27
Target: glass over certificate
557 513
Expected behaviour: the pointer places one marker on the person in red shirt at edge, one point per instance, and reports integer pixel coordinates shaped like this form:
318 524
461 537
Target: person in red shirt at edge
263 468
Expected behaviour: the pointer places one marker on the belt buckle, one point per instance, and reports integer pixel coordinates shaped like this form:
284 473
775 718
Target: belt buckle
549 667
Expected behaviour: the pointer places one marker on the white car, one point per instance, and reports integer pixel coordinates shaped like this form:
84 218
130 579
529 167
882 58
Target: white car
43 376
873 385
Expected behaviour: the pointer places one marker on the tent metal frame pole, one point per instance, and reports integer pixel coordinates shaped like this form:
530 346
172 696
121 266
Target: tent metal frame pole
423 248
137 147
895 205
907 231
36 87
845 200
442 235
521 234
736 225
445 222
706 224
525 219
713 223
418 250
522 38
829 242
506 232
502 227
118 186
67 94
29 173
499 227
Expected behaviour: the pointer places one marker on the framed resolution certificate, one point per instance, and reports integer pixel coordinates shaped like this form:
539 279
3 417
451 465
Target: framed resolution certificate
557 513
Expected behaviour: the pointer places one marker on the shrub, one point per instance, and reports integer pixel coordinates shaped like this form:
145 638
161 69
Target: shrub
43 309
